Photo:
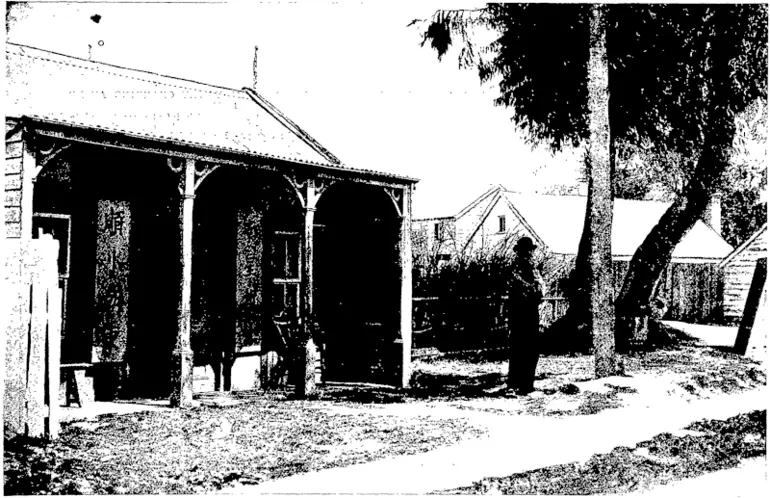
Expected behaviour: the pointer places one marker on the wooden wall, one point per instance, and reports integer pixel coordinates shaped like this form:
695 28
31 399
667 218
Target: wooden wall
13 159
32 306
738 273
692 291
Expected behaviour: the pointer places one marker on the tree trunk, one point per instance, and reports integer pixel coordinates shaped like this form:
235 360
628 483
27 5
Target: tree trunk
654 254
599 205
591 283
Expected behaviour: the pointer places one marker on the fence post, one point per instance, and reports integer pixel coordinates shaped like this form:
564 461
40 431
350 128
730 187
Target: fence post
35 389
746 327
54 359
16 305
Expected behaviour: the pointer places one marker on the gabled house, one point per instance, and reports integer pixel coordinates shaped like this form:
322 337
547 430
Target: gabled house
555 223
738 269
439 230
191 216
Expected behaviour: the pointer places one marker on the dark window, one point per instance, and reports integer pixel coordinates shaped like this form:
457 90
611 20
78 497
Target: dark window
286 278
437 231
286 263
502 223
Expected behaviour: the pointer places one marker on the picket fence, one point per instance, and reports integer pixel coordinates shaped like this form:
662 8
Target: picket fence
32 307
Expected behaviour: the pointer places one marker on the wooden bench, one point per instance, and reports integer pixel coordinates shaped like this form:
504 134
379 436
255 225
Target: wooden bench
72 394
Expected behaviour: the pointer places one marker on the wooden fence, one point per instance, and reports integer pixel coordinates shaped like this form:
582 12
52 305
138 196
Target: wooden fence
693 292
470 322
32 307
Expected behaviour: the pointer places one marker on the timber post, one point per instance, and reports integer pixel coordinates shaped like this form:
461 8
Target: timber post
306 383
28 167
404 342
182 361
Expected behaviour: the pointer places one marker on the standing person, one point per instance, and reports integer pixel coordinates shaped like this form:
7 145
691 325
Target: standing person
524 296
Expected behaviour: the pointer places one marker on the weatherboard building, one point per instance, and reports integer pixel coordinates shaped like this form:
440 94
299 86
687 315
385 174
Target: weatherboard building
191 217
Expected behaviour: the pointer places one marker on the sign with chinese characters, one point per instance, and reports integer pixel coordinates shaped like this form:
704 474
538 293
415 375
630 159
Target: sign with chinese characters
113 230
249 257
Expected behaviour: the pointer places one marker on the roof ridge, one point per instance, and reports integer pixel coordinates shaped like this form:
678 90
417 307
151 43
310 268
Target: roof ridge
615 199
491 191
524 222
743 246
496 196
290 125
94 66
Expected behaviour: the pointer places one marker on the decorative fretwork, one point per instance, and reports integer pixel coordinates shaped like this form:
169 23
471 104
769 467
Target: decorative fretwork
46 150
397 196
202 170
308 190
202 173
176 165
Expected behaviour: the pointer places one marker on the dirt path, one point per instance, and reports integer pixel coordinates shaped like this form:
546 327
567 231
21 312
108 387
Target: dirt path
515 444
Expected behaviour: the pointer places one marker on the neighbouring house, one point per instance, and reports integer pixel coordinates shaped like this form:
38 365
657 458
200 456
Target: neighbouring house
693 282
192 218
738 268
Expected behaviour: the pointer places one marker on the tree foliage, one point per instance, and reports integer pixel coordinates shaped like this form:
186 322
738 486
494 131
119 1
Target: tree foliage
678 77
659 59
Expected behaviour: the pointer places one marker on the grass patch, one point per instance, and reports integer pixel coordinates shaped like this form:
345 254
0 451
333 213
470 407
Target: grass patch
708 446
208 448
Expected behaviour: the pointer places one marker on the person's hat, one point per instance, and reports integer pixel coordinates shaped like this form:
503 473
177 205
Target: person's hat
524 244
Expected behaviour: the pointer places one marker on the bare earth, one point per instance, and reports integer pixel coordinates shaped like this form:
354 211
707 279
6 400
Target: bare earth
456 427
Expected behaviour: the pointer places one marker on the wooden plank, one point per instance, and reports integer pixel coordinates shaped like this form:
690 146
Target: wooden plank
13 198
12 134
13 181
28 165
12 230
54 360
35 389
404 342
15 307
182 389
13 149
13 215
13 166
752 305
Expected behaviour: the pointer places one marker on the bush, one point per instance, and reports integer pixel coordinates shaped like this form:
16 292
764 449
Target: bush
468 305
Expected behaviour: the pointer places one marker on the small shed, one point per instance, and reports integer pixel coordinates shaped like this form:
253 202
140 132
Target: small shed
738 268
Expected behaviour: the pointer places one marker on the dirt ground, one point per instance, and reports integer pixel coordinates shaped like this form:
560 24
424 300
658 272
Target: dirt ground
250 438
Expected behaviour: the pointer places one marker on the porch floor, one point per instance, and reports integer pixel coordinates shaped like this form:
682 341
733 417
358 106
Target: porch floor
93 409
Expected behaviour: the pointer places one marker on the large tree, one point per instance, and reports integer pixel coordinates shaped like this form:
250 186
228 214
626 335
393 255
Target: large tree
532 63
687 73
677 76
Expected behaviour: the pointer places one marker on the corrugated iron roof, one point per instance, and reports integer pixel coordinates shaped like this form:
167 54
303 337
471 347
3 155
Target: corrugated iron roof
63 89
558 221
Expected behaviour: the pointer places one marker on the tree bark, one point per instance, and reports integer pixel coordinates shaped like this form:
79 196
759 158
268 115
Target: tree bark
590 299
600 205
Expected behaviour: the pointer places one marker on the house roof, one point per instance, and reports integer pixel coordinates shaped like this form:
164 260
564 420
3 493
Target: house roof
558 222
70 91
743 246
445 206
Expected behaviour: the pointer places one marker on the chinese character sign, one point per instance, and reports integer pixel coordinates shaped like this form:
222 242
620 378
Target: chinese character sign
112 271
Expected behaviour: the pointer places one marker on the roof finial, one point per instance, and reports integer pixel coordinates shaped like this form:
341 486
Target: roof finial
254 86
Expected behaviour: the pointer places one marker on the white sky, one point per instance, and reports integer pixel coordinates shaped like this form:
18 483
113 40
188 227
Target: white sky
352 74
